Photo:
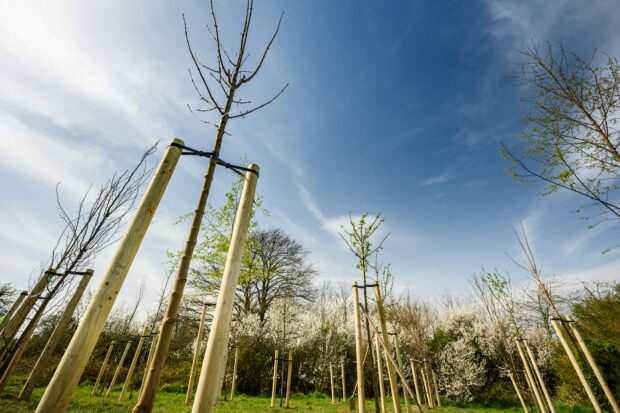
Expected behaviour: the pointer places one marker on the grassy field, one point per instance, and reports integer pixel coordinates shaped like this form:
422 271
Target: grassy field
83 402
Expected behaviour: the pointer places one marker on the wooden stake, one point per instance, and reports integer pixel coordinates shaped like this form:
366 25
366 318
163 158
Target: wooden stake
234 374
400 366
436 388
429 400
13 325
384 334
289 377
518 391
594 366
539 376
58 393
118 369
331 381
361 392
573 360
13 308
344 382
530 377
149 359
274 383
429 383
61 327
196 359
415 382
134 362
380 374
103 368
213 366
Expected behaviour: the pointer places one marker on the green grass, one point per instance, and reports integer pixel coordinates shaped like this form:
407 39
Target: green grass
173 402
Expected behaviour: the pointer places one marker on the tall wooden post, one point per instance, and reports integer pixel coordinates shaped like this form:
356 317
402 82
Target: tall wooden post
58 393
530 377
597 372
196 359
539 376
344 382
149 358
134 362
289 377
274 383
573 360
61 327
104 365
118 369
415 383
209 383
14 323
380 374
436 387
429 383
384 334
234 374
518 391
429 399
359 354
399 359
331 381
13 308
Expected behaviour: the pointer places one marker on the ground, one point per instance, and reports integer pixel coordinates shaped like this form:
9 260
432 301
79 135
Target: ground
83 402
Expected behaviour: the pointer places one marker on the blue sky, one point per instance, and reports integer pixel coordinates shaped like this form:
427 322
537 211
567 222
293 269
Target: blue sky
393 106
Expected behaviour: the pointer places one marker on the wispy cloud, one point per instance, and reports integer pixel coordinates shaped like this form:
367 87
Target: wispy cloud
437 179
310 204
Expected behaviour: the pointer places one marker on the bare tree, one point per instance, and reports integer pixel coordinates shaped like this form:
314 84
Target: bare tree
88 230
283 270
571 138
7 293
216 86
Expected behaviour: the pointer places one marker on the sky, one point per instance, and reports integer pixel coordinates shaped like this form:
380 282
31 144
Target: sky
394 106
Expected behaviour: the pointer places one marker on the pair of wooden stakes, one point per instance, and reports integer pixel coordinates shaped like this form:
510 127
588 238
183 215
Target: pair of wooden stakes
565 330
13 347
394 367
58 394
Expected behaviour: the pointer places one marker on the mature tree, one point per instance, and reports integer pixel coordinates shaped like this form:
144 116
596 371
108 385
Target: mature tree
282 270
571 138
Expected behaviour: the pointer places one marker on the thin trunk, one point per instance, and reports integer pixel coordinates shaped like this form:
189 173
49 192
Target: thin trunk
147 398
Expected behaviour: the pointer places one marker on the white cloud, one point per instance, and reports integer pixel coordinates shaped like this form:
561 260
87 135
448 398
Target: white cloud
606 272
48 160
310 204
522 22
436 180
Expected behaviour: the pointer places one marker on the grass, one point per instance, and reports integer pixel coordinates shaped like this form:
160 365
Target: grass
83 402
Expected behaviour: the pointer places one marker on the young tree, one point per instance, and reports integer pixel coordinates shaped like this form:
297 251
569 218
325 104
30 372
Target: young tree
358 238
571 140
216 87
88 230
